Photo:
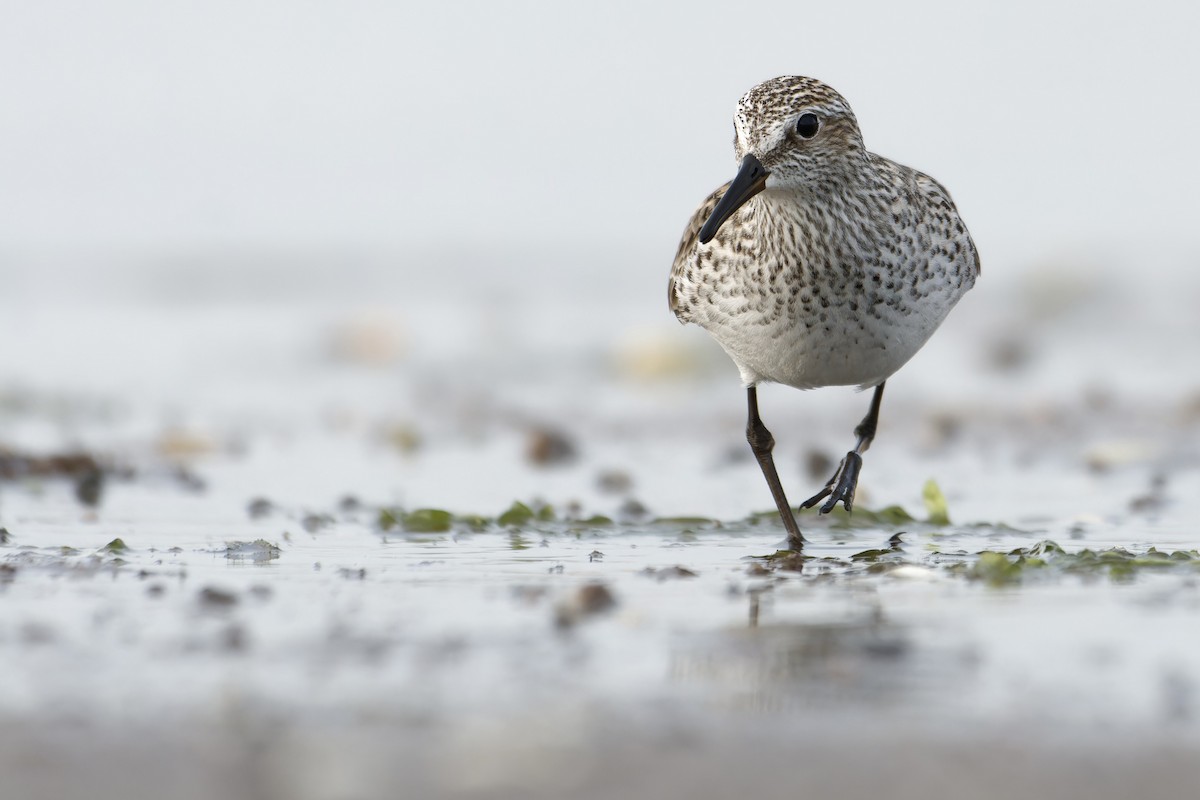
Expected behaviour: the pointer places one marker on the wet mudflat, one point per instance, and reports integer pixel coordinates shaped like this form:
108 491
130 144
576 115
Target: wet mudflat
321 550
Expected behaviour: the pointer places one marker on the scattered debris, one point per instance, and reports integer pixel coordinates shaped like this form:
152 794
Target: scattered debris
1152 501
187 479
550 447
14 466
651 356
785 560
1047 558
633 510
182 445
614 481
519 514
757 570
233 638
368 339
529 595
259 551
942 427
594 521
427 520
89 487
935 503
818 464
313 522
403 438
1008 354
260 507
1116 453
668 573
588 600
211 597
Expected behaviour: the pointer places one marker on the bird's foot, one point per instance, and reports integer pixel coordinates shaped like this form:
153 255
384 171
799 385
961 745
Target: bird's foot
841 486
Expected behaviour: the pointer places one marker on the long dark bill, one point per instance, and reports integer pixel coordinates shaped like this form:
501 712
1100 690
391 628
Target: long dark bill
751 179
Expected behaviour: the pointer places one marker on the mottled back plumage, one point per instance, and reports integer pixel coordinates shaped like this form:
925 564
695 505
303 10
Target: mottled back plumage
840 268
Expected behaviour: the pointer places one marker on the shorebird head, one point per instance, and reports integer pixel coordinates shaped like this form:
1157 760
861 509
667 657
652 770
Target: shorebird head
791 133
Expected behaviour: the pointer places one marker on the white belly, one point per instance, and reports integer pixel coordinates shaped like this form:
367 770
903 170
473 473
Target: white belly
850 348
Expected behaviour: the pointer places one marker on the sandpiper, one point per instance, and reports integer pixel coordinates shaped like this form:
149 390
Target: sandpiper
819 264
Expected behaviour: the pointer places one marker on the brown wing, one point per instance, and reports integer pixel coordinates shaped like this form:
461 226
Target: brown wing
688 243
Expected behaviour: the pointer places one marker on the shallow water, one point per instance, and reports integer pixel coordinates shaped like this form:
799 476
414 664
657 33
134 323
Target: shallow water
350 663
262 634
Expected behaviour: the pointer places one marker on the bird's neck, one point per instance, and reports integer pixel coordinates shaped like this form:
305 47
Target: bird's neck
814 217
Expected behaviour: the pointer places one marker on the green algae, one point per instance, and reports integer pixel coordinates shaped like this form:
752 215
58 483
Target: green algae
517 514
860 518
475 522
427 520
688 521
438 520
525 523
422 520
935 504
521 514
1049 558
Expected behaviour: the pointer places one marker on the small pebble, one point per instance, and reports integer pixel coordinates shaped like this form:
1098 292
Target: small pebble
90 487
217 598
315 522
633 510
233 638
587 601
818 465
668 573
259 507
614 481
549 447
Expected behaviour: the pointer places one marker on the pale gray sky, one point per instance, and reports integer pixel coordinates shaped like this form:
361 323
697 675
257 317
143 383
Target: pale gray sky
150 123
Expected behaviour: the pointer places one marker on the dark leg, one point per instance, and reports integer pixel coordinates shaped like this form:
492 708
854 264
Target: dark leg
762 443
841 486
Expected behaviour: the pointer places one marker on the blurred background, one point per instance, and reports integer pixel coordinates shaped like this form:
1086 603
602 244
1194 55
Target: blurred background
445 222
423 219
467 128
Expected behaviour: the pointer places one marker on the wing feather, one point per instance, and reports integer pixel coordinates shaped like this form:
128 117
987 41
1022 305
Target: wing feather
687 245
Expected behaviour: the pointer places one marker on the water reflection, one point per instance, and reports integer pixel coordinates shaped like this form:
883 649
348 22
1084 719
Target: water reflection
865 661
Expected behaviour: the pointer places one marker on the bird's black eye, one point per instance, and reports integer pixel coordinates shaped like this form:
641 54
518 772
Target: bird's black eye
807 125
